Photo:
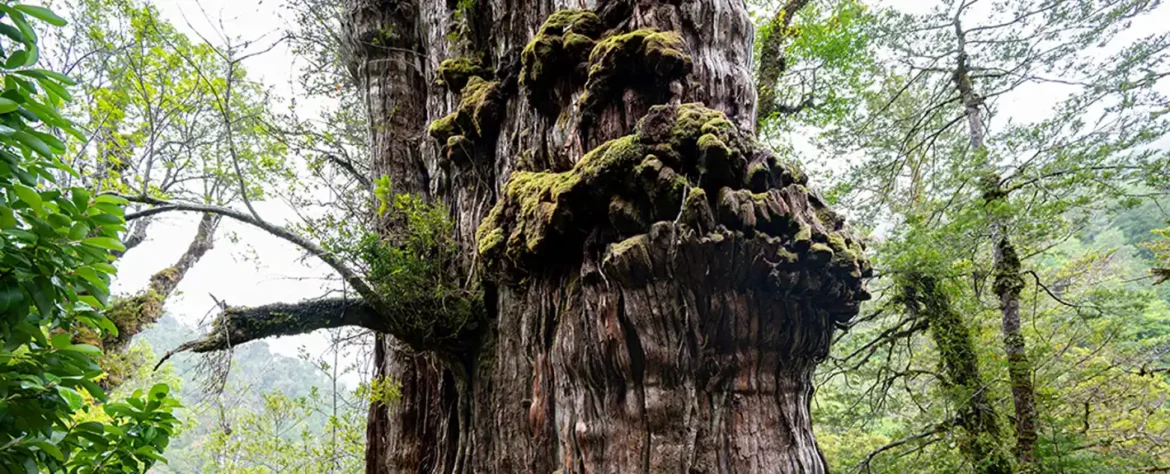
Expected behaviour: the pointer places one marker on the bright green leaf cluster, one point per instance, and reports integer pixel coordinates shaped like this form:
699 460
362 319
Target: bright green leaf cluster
55 272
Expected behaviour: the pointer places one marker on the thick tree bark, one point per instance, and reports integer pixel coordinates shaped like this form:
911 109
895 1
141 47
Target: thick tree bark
665 325
965 387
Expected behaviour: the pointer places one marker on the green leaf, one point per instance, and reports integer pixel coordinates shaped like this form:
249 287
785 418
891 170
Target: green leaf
33 142
12 32
111 199
91 426
43 14
8 105
91 276
108 243
84 349
30 196
80 198
49 448
61 341
16 60
78 231
93 389
159 391
10 297
71 396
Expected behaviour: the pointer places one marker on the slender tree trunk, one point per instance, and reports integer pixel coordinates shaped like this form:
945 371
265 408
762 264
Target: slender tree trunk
659 305
1008 285
965 387
1006 264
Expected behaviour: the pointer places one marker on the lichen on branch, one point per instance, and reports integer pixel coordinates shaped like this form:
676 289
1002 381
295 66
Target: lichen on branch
239 325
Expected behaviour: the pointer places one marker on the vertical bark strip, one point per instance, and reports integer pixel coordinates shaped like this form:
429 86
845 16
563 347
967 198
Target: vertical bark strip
1008 285
676 323
387 55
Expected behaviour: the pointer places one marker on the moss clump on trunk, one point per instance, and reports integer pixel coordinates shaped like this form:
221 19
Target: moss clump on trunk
558 53
469 134
454 73
626 186
645 60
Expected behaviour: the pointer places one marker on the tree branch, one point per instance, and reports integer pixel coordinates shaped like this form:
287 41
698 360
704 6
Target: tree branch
936 429
352 278
235 325
773 63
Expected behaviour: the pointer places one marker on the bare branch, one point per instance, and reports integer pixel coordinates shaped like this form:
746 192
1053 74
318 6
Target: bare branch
347 273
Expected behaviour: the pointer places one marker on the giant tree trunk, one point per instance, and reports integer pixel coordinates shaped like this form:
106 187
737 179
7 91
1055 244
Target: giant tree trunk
658 289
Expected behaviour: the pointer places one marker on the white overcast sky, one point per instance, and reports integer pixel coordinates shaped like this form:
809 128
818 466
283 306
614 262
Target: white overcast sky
263 269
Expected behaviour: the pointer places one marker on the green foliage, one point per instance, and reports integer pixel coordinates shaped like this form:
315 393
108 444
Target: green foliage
414 265
1161 250
383 390
55 270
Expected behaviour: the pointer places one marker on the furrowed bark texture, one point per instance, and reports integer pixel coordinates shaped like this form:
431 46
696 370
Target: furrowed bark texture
659 289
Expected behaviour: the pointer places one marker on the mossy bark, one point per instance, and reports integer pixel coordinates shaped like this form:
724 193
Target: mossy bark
659 289
966 389
1008 285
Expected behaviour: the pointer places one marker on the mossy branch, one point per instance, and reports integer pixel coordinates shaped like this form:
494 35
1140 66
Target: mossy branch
773 63
236 325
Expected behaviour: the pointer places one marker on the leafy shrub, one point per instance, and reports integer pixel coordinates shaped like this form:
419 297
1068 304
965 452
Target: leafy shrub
55 271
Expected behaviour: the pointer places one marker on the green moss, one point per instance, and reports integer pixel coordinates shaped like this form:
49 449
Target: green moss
454 73
845 257
758 175
820 253
803 237
474 125
493 238
712 149
645 60
626 245
561 45
536 206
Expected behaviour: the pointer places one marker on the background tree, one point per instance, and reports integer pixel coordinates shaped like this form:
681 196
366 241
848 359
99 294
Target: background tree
969 185
151 112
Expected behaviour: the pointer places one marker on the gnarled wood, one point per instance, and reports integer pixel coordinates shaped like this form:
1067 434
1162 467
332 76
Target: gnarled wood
672 339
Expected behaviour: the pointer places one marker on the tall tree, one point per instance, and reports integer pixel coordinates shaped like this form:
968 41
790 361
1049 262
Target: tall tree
583 258
151 115
998 189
